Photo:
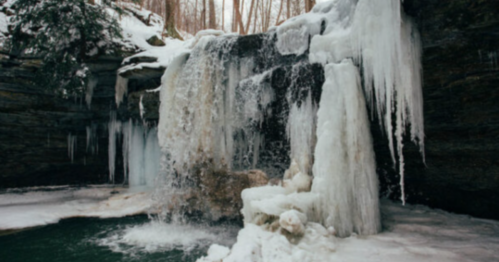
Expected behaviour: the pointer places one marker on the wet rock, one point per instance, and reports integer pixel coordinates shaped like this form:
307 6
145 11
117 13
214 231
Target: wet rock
155 41
36 125
217 193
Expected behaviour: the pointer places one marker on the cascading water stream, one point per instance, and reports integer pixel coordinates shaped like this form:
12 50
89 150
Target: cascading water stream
215 105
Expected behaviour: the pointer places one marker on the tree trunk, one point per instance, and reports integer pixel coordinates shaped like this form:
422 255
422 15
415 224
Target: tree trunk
309 5
203 15
170 29
196 28
288 10
280 11
238 17
223 15
256 16
248 21
213 22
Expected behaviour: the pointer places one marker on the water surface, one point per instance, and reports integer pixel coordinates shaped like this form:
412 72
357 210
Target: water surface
121 239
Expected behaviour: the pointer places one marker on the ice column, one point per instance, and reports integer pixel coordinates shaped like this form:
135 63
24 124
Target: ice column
344 168
114 128
121 89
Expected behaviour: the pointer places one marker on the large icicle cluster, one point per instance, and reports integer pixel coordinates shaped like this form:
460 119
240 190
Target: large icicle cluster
141 152
386 46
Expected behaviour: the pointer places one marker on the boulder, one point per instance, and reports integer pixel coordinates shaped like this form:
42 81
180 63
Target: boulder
155 41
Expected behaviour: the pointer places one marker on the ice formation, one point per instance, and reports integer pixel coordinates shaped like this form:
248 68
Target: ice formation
71 146
92 139
114 128
344 168
89 92
121 89
141 152
213 103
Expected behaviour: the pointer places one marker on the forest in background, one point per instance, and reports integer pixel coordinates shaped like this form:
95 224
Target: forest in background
187 17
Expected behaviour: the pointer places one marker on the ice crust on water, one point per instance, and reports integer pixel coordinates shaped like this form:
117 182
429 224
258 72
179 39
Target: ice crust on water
48 205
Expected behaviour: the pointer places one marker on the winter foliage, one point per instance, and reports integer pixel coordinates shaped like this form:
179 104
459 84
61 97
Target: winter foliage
64 33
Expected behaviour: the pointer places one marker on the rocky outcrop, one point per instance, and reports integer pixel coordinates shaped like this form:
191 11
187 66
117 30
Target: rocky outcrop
38 126
461 75
215 194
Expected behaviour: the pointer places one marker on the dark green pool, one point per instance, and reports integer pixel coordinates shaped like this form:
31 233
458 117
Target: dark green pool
122 239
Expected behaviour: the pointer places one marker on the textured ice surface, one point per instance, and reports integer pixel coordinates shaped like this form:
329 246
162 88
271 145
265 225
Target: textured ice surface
411 233
42 206
344 169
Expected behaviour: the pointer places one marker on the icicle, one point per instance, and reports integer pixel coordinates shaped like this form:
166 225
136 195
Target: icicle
389 49
121 89
136 157
114 128
89 135
71 146
92 83
141 107
152 157
300 131
127 136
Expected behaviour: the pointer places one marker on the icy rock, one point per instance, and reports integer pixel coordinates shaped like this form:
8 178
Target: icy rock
257 178
299 183
155 41
216 253
217 193
295 180
293 222
292 171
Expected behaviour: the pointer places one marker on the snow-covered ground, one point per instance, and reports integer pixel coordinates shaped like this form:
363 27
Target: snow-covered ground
48 205
410 233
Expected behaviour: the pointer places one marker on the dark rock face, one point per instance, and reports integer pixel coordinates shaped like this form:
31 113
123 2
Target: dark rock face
461 77
36 126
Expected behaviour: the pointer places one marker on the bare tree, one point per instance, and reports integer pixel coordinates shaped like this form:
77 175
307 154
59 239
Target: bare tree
238 19
170 26
213 22
223 15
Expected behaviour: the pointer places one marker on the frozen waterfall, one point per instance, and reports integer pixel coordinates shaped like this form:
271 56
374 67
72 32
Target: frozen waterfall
215 103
